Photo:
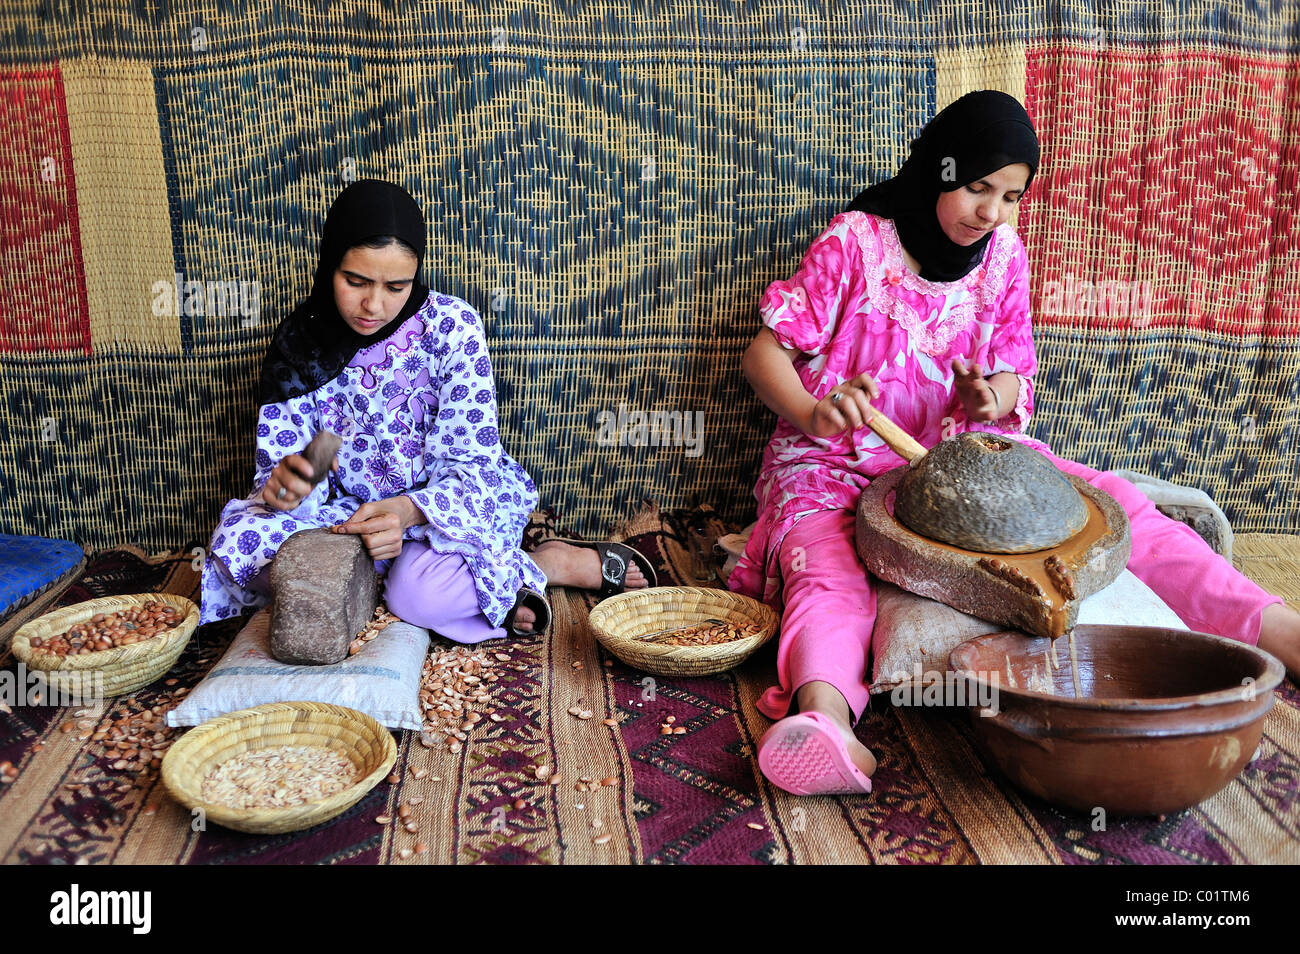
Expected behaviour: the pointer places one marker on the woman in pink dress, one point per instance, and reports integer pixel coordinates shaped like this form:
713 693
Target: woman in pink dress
915 301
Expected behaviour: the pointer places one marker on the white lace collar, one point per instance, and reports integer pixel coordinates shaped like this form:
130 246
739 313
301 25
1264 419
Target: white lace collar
885 266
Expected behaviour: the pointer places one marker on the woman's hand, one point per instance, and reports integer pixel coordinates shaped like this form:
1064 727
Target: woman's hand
293 475
845 408
380 523
978 397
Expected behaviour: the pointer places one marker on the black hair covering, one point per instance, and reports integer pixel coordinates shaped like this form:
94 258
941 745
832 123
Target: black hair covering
314 344
980 133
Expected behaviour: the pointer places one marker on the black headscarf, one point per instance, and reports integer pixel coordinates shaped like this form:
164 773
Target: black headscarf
314 344
980 133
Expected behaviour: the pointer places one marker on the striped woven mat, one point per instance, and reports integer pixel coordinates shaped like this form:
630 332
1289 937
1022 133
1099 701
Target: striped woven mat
690 798
613 189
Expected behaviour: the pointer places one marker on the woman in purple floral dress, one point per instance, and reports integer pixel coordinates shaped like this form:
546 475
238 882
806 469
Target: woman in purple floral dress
403 375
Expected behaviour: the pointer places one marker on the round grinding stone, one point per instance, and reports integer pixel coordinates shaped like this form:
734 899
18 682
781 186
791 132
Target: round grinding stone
988 493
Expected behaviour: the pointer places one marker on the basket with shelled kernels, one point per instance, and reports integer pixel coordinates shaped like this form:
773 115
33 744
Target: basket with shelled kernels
296 764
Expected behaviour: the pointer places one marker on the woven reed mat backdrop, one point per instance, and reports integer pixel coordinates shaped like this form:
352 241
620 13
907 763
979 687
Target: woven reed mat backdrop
696 798
613 187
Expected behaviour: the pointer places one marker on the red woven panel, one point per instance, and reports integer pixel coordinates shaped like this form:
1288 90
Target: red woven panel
42 275
1178 168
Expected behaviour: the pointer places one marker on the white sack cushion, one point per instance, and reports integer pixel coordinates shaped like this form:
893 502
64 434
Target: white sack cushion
382 680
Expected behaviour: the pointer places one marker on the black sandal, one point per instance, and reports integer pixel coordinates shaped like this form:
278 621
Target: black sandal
536 602
614 560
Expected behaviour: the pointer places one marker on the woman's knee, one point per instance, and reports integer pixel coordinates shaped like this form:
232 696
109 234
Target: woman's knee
430 589
1126 495
827 539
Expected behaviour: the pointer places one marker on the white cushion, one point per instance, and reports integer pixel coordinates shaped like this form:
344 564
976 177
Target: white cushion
382 679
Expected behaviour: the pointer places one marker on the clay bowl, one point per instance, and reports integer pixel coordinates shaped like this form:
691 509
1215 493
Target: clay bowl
1167 717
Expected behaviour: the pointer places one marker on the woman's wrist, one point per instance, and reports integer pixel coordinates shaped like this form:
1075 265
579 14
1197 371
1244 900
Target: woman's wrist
806 421
412 516
1006 389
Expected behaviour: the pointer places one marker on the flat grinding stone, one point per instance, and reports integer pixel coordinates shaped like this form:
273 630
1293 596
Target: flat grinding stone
325 591
974 583
984 492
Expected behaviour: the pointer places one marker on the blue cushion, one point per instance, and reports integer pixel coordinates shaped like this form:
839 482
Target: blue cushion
29 564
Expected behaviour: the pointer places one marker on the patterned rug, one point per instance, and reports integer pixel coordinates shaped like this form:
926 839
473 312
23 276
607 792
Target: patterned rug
689 798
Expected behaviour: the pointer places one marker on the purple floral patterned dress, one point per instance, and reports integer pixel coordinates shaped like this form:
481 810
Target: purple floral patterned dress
419 417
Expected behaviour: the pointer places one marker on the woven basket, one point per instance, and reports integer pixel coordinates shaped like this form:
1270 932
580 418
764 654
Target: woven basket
622 622
124 669
363 740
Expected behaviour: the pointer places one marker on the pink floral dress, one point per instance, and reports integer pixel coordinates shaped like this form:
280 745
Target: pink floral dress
854 306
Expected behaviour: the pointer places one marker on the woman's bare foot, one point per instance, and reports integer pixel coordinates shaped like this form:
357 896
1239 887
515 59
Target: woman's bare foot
524 619
1279 634
829 701
567 565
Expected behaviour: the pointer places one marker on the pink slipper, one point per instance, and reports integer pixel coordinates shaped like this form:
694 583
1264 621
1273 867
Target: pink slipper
806 755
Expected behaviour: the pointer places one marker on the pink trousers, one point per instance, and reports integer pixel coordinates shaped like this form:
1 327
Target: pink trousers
830 598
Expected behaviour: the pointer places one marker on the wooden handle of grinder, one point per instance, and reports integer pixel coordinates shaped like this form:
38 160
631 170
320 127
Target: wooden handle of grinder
902 443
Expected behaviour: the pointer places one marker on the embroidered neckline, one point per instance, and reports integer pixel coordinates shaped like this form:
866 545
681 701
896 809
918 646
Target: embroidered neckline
896 262
884 266
399 342
399 339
